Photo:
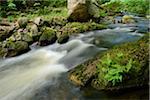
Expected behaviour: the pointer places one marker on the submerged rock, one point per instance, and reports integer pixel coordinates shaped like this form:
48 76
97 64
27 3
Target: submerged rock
48 37
124 66
127 19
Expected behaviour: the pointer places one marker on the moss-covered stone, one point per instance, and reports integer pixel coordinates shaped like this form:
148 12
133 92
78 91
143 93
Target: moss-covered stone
83 73
124 66
21 36
22 22
10 48
48 37
57 21
63 38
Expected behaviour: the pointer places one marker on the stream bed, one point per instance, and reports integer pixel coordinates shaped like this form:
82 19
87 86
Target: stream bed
41 74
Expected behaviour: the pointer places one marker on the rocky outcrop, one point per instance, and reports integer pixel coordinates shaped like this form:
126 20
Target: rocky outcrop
124 66
82 10
42 32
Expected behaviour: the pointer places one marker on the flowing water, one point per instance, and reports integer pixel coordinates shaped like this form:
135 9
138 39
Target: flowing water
41 74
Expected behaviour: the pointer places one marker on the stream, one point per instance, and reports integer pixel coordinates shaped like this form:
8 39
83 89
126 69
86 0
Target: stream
41 74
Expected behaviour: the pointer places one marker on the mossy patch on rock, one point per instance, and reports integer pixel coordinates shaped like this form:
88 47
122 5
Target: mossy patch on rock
57 21
21 36
124 66
48 37
77 27
63 38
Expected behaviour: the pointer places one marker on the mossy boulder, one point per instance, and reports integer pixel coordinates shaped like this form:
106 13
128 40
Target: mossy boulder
63 38
124 66
22 22
10 48
48 37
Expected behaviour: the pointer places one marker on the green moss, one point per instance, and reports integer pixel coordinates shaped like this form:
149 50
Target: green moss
48 36
47 33
126 64
57 21
77 27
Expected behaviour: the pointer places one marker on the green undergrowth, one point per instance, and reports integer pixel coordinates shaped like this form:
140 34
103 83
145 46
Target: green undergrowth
140 7
126 64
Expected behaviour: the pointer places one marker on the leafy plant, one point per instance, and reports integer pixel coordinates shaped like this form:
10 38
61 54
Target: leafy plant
11 5
113 69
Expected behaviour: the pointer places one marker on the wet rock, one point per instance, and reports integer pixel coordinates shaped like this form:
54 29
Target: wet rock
81 75
22 22
81 10
63 38
127 19
48 37
124 66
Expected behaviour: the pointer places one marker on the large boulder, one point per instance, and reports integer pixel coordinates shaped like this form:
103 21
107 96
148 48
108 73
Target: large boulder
82 10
